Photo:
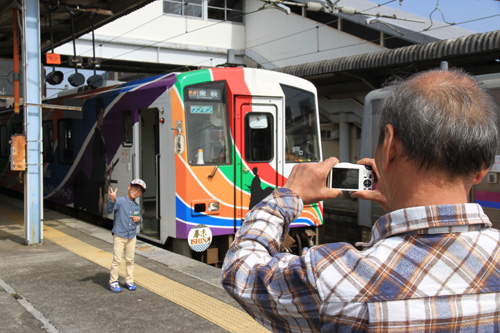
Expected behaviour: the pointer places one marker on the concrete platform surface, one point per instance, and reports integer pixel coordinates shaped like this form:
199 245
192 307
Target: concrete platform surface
62 285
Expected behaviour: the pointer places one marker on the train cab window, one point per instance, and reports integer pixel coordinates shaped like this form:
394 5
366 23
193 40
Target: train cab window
48 141
65 141
259 137
207 126
302 139
127 134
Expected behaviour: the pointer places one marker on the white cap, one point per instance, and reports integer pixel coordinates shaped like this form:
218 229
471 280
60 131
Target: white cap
140 183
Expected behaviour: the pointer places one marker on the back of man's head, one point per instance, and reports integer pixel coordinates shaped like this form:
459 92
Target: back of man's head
445 121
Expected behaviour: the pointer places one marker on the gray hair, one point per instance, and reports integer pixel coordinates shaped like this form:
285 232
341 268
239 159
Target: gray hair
445 120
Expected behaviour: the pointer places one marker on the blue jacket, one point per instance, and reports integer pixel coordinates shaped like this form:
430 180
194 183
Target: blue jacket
123 208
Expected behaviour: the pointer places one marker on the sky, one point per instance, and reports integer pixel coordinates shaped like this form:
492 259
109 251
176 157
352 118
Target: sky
455 11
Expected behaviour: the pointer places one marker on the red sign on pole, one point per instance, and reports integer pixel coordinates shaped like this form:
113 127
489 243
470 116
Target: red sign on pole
53 58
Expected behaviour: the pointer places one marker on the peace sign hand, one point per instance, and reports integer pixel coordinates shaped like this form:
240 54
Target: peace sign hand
112 194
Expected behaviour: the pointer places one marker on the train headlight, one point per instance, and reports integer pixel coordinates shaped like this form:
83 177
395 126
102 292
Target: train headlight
213 207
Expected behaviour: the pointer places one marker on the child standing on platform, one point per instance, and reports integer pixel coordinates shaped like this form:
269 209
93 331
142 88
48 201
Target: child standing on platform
127 216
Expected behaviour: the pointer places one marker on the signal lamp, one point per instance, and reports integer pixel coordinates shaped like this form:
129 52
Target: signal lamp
54 77
95 81
76 79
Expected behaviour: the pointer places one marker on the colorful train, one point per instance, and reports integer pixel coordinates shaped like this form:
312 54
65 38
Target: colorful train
209 144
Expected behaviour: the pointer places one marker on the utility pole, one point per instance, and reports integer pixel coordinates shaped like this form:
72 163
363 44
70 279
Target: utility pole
33 177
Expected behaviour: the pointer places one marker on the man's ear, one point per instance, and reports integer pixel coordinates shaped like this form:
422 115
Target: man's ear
388 148
480 176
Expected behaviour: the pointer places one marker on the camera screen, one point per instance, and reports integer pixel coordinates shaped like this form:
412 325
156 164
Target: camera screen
345 178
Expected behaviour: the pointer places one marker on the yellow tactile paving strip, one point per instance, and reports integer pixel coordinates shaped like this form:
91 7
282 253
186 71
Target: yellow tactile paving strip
219 313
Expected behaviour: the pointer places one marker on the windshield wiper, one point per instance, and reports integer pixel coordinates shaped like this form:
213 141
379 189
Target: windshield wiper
220 157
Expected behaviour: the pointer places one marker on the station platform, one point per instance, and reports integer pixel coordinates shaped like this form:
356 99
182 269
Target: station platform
62 285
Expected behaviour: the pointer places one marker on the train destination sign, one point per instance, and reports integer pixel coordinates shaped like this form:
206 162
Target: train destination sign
205 94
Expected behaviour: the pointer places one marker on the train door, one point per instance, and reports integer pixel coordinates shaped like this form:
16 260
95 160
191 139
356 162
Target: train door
257 134
149 165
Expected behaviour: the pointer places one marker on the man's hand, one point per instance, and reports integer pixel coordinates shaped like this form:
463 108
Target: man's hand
377 195
308 180
112 194
135 218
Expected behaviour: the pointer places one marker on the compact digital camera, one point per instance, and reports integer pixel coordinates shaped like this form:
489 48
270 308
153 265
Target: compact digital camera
350 177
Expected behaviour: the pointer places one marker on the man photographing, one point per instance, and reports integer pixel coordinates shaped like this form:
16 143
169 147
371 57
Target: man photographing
433 262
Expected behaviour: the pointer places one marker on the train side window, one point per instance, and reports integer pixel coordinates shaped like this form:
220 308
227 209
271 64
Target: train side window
127 134
207 125
65 141
259 137
48 141
302 139
4 141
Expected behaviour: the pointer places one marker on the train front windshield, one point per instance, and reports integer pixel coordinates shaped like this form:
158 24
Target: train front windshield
302 140
207 124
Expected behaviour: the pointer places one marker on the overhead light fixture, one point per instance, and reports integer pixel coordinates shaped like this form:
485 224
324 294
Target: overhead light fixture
95 81
76 79
54 77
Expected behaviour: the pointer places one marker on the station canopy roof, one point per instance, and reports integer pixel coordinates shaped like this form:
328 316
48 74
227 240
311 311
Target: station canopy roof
341 77
104 11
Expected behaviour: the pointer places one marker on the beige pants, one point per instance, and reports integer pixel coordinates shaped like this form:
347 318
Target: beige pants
120 244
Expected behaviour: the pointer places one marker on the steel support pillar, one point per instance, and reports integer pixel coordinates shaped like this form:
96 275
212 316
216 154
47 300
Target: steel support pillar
33 177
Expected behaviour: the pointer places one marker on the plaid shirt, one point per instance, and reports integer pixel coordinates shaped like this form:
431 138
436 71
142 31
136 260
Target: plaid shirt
433 268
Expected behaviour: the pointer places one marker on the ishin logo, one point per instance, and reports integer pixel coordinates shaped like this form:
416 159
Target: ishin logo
199 238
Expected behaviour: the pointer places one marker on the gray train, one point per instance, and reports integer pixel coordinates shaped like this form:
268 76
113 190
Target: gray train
486 193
